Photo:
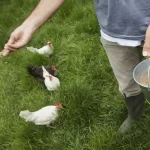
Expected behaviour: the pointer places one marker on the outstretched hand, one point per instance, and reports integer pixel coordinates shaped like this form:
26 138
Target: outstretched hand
18 38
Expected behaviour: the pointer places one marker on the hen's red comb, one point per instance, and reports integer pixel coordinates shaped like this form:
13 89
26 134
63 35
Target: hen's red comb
49 43
58 105
54 68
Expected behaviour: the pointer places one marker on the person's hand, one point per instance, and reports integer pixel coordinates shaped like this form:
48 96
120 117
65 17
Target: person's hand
18 38
146 47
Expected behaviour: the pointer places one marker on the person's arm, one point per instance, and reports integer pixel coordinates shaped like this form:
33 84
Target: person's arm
22 35
146 47
44 10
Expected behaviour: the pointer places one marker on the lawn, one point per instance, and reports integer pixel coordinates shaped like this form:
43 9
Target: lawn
93 108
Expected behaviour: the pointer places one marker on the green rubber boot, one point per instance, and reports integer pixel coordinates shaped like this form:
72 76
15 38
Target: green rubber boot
135 107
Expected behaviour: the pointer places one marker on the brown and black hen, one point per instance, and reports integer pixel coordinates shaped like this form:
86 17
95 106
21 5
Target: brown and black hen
37 71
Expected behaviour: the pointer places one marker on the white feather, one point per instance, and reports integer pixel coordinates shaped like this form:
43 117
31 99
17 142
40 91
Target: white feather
45 72
50 84
25 114
46 50
32 49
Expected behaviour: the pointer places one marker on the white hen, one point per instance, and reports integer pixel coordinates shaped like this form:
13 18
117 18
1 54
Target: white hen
51 82
47 50
44 116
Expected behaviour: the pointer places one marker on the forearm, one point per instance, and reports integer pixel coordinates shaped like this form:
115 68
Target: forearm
44 10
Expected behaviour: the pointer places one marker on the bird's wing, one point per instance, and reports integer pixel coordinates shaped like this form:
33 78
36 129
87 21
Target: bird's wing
47 120
49 84
56 81
43 50
52 85
45 114
46 50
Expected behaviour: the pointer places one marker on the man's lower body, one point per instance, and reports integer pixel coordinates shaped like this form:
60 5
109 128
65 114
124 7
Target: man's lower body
123 59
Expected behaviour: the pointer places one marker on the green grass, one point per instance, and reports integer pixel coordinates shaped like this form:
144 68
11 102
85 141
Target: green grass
93 107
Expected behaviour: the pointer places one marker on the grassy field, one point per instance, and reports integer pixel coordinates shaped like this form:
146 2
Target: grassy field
93 107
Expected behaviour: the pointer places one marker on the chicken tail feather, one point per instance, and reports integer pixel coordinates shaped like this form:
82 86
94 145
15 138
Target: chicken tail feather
32 49
25 114
30 69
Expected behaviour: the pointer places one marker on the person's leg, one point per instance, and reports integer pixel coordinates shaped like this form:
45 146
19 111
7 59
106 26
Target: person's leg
123 59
